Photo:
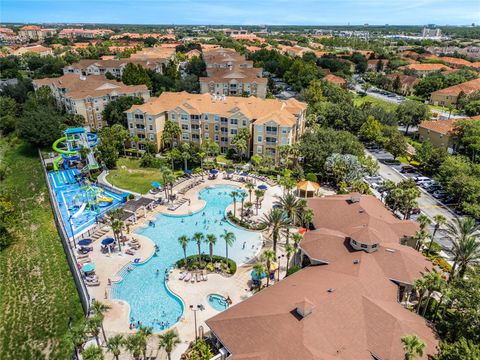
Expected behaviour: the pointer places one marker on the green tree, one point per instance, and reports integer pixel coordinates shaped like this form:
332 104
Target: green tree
196 66
258 196
314 92
258 272
168 341
292 207
461 349
114 345
289 252
439 220
403 197
99 309
114 111
268 257
275 221
136 74
171 132
395 143
430 157
211 240
8 115
234 195
229 238
371 130
198 237
413 346
93 353
412 113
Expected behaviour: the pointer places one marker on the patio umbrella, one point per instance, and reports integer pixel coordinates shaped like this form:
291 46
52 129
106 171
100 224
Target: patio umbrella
229 171
262 187
85 242
244 174
255 277
214 171
108 241
155 184
88 267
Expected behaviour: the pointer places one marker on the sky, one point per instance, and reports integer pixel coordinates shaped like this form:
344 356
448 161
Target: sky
244 12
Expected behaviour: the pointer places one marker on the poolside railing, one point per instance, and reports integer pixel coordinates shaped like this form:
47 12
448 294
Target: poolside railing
67 245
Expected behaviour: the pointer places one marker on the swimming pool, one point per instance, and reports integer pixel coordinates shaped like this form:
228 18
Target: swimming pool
218 302
145 290
72 200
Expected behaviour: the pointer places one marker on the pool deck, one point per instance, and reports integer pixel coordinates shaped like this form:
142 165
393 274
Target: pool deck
236 287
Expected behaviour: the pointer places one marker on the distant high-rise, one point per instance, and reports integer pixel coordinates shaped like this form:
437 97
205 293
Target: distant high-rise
429 32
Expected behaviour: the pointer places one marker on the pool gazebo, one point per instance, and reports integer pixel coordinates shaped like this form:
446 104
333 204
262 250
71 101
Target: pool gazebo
307 189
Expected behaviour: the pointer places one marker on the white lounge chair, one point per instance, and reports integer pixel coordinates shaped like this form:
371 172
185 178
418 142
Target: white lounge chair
188 277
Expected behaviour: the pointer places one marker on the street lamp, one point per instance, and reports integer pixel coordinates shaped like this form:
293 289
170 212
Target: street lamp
278 258
195 318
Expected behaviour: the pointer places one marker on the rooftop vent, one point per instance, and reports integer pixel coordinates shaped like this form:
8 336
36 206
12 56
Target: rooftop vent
356 261
331 290
355 199
390 250
304 307
83 77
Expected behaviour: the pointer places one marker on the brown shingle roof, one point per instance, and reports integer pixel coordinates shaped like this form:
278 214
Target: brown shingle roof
335 79
426 67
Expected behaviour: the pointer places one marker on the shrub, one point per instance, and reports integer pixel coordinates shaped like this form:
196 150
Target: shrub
311 177
192 263
293 269
244 224
441 263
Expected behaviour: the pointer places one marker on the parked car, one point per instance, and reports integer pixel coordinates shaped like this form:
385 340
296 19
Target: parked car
427 184
390 161
415 211
440 194
373 178
422 179
408 169
449 200
433 188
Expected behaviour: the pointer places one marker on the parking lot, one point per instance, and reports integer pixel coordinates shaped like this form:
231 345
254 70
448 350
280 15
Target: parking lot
427 203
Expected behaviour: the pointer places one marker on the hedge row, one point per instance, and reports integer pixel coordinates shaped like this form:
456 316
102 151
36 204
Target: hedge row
193 264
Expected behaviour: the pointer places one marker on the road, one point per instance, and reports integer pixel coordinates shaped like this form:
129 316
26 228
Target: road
427 203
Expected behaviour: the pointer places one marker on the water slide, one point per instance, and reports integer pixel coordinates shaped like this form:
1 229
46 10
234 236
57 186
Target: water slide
60 151
105 199
79 211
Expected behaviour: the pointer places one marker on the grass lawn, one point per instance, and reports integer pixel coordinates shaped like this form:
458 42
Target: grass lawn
360 100
37 291
130 176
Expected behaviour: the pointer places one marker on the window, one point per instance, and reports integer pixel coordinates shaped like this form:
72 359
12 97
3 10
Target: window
184 117
216 137
233 131
205 116
195 127
363 246
260 128
184 126
151 137
216 117
259 149
234 121
284 130
130 125
244 122
205 126
260 139
139 116
216 127
194 117
173 116
150 127
150 118
195 137
206 136
271 129
185 136
284 141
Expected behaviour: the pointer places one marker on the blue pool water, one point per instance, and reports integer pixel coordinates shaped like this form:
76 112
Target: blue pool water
218 302
71 195
145 290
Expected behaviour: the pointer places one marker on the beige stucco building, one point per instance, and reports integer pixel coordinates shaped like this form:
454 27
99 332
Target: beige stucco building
271 122
449 96
88 95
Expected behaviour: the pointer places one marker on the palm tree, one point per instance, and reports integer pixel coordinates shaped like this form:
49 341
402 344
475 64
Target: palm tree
93 353
465 250
198 238
144 333
234 195
114 345
291 205
289 251
296 238
78 335
258 271
420 237
211 240
268 256
99 309
229 238
306 217
439 220
424 221
183 241
420 285
434 282
133 344
275 221
242 195
250 187
413 346
258 196
168 341
93 326
186 156
117 226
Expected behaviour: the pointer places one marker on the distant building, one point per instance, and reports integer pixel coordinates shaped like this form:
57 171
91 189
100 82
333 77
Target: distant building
449 96
219 118
407 83
425 69
33 32
34 49
429 32
373 65
163 54
334 79
88 95
115 67
88 34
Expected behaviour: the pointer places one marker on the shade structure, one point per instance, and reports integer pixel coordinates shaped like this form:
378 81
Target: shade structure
108 241
255 277
230 171
155 184
213 171
307 188
88 267
262 187
85 242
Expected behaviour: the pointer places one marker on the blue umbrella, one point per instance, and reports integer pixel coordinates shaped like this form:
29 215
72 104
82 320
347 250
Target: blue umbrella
188 172
255 277
244 174
107 241
214 171
85 242
88 267
262 187
155 184
230 171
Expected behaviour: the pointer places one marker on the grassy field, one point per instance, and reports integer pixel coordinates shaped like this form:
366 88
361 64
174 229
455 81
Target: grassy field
360 100
130 176
37 292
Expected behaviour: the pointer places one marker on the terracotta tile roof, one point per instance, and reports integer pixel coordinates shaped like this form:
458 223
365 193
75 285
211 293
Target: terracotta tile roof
335 79
33 49
30 28
466 87
359 317
155 53
445 127
111 63
455 61
426 67
260 110
405 80
91 86
245 75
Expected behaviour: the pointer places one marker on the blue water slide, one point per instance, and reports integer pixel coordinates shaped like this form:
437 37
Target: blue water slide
92 139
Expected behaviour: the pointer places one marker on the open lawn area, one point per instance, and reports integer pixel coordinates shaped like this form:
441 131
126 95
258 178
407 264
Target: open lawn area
360 100
130 176
37 291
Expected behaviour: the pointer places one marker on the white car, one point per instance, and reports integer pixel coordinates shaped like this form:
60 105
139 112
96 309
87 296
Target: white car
421 179
373 178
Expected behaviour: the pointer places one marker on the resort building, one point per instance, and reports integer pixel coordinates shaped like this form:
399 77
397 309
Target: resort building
33 32
88 95
407 83
34 49
345 302
449 96
230 74
159 54
88 34
115 67
424 69
271 122
334 79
